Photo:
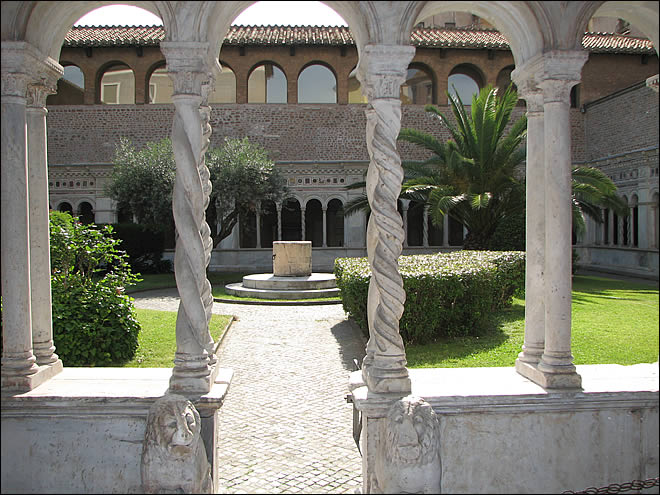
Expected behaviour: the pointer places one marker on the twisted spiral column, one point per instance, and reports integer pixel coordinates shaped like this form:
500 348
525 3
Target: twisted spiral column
194 359
382 71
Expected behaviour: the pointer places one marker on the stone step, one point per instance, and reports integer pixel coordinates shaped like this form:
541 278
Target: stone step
238 289
269 281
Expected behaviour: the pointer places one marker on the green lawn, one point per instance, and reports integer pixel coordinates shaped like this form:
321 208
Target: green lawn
613 321
157 339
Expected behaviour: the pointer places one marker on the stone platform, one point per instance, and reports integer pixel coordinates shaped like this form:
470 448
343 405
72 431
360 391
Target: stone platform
270 286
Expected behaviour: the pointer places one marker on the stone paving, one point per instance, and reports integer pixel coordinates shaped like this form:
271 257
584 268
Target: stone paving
285 426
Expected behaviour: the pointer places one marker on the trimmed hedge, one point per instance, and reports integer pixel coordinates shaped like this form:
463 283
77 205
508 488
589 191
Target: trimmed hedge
447 294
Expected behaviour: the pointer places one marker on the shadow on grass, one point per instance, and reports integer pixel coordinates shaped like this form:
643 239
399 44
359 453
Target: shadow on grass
489 338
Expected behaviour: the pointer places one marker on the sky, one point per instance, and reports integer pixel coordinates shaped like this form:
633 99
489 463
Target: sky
261 13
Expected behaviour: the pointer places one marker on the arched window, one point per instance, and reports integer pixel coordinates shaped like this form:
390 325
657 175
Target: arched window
634 220
291 221
70 88
118 85
504 79
267 84
74 76
415 224
268 223
625 232
418 88
317 84
160 86
335 223
248 229
465 80
86 212
314 222
65 206
225 87
355 91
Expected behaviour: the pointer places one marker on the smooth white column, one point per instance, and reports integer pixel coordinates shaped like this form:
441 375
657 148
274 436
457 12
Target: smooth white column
325 226
279 220
194 359
535 232
445 230
258 221
562 72
382 70
18 360
41 303
425 227
405 204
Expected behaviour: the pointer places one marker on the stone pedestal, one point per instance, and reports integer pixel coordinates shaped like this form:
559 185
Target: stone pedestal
292 258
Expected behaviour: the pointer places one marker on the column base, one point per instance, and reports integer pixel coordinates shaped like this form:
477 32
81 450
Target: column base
26 383
558 380
192 381
382 381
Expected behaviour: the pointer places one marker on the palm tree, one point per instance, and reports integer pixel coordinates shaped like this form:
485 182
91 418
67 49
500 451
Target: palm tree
471 177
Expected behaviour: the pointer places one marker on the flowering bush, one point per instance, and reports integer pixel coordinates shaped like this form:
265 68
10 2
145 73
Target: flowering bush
94 322
447 294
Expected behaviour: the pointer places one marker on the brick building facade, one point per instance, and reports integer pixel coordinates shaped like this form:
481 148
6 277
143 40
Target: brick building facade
324 144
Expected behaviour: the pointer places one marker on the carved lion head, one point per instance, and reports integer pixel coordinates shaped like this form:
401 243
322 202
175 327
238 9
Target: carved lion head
412 432
174 425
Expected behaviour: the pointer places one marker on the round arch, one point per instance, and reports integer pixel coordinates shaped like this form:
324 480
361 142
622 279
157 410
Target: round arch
317 83
465 80
119 86
420 86
267 85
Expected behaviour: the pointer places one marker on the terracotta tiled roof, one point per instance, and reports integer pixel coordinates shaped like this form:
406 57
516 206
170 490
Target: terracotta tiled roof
615 43
473 38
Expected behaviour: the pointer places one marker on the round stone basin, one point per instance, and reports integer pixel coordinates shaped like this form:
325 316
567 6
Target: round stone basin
309 282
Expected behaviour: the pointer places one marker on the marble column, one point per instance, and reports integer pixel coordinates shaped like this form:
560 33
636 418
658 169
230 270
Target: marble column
445 230
279 220
535 232
41 302
325 226
194 360
425 227
257 216
382 70
22 66
302 225
561 72
405 205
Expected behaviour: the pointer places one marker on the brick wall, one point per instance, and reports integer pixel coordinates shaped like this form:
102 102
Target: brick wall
623 122
89 133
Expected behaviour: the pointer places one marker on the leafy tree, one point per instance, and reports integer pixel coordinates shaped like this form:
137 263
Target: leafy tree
471 177
241 174
142 181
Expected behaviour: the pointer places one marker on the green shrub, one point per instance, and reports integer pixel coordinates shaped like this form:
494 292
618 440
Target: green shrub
447 295
144 245
94 322
509 234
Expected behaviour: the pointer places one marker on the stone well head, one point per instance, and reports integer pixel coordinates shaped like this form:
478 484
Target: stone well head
292 258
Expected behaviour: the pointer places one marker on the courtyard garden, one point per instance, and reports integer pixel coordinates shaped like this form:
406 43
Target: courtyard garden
613 322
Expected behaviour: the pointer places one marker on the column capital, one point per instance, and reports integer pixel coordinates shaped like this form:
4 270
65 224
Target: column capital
383 69
189 68
554 72
23 65
652 82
